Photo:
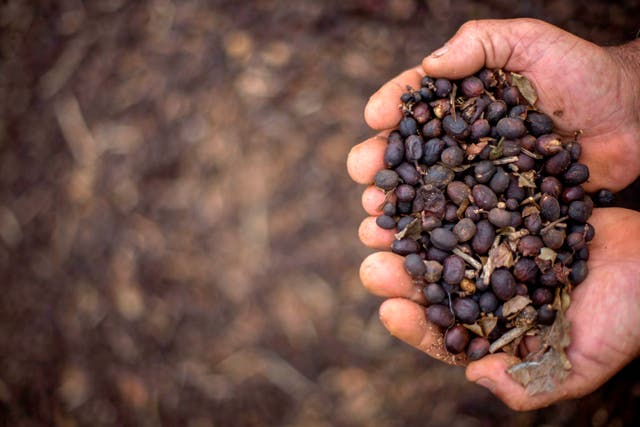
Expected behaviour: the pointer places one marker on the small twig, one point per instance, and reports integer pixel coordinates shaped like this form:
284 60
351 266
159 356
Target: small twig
505 160
554 223
530 154
531 199
469 259
508 337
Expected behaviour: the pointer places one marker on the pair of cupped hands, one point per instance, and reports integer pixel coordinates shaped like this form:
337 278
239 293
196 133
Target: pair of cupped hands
582 86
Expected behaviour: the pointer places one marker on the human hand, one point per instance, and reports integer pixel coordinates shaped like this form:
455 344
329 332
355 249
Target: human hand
604 314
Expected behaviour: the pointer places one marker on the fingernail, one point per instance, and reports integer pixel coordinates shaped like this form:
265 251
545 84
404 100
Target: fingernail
487 383
438 53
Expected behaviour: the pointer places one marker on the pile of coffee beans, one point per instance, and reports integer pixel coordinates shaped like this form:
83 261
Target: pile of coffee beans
488 209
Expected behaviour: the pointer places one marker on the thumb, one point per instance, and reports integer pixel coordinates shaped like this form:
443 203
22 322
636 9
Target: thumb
512 44
491 372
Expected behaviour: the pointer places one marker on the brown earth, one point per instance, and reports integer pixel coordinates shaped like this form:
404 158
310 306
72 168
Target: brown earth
178 231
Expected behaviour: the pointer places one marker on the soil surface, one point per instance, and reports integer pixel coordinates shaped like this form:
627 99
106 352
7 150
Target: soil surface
178 231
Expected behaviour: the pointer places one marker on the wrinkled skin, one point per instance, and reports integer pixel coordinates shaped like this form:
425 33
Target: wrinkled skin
588 88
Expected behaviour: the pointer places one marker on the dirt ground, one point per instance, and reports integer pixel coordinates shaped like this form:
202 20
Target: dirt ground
177 229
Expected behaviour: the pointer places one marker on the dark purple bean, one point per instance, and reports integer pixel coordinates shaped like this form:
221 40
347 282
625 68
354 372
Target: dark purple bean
526 270
549 278
546 315
458 192
440 315
549 207
514 191
453 269
429 222
542 296
443 87
510 128
408 173
525 163
533 223
510 148
503 284
558 163
553 238
464 230
405 192
443 239
450 213
435 254
571 194
386 222
472 87
421 112
466 310
579 272
488 78
479 129
549 144
386 179
495 111
472 214
455 127
434 294
551 185
433 271
452 156
483 171
483 238
539 123
484 197
439 176
500 217
488 302
499 181
408 126
576 174
413 148
604 198
511 96
405 246
478 348
414 265
576 241
394 153
432 129
530 245
389 209
578 211
456 339
404 222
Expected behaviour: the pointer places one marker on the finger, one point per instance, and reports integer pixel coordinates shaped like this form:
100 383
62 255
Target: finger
367 158
382 111
491 372
383 274
373 236
407 321
373 199
506 44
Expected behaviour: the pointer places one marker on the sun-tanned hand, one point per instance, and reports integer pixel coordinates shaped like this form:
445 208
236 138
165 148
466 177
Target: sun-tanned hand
582 87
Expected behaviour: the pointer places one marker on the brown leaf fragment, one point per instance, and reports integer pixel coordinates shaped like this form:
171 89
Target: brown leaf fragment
475 149
515 305
487 324
500 255
413 230
530 210
475 328
543 371
562 273
527 179
508 337
525 87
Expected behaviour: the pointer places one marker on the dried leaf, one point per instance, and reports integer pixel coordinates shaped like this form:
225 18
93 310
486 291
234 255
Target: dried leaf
543 371
530 210
548 254
515 305
527 179
562 273
525 87
497 151
475 328
475 149
413 230
508 337
487 324
500 255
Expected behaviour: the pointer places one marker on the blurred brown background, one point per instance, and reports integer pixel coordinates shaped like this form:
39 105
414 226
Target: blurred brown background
177 229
